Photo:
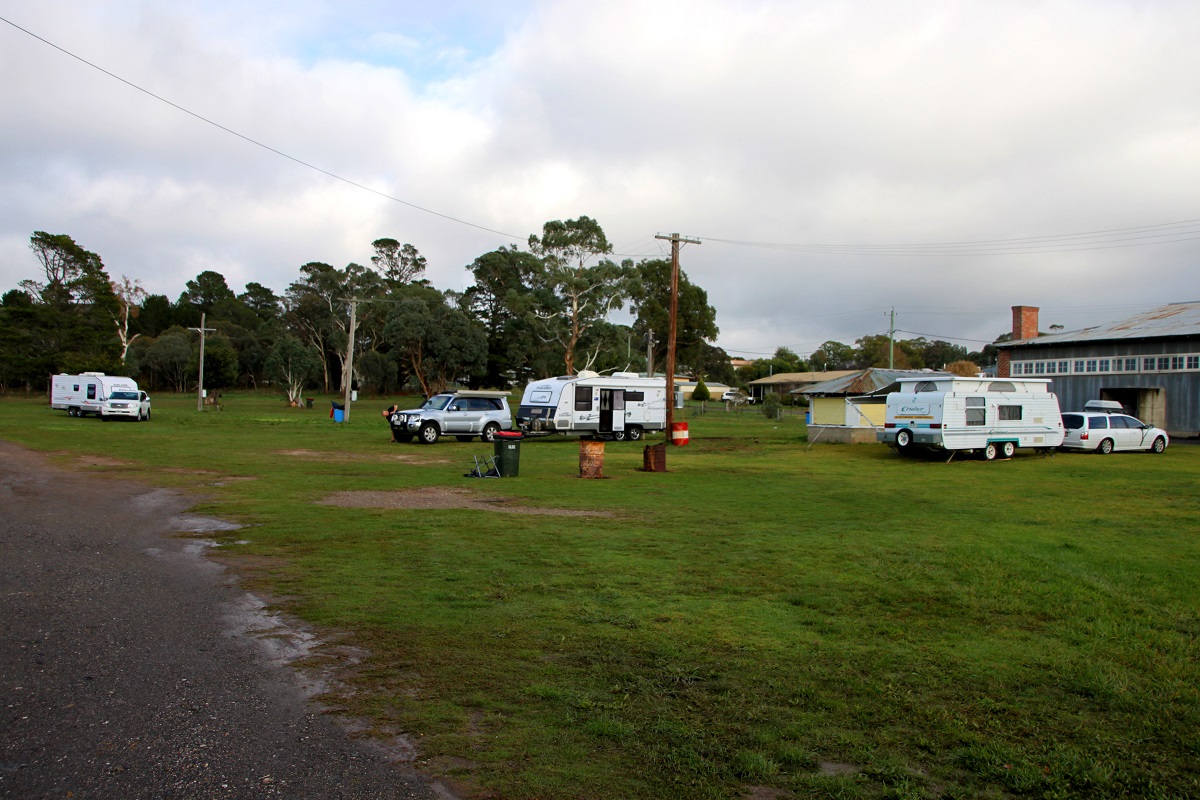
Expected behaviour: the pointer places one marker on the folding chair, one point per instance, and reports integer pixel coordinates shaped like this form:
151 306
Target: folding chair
484 468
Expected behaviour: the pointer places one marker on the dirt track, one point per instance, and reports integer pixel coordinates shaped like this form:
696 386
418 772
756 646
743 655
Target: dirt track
121 672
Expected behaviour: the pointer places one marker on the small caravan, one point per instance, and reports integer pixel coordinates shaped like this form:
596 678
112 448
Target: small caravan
986 415
620 406
83 394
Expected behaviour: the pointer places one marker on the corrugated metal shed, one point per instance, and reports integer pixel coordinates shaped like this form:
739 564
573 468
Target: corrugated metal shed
802 377
1176 319
868 381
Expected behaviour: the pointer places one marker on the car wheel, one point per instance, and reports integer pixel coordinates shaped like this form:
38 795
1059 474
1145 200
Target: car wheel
904 440
1008 449
989 452
1106 447
428 433
634 433
489 432
1159 445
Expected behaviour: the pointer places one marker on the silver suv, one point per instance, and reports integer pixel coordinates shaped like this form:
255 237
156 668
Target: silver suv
464 415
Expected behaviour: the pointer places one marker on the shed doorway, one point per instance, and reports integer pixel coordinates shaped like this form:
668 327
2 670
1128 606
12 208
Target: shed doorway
1148 405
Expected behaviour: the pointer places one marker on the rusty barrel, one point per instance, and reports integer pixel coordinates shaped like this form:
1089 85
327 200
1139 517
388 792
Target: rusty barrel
591 458
654 458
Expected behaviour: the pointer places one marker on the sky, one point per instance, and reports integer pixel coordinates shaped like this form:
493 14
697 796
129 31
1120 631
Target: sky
837 161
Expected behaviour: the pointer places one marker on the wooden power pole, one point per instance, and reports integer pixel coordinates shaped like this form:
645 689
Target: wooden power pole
349 377
675 239
200 389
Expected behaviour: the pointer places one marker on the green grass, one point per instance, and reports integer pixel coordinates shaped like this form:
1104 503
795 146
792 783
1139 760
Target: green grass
1020 628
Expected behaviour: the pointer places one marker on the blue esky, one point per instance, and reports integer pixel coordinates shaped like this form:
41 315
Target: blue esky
835 148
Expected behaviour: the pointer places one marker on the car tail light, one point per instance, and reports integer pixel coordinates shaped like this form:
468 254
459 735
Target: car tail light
1083 436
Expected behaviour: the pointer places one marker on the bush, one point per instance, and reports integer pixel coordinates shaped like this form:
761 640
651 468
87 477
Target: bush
771 405
701 393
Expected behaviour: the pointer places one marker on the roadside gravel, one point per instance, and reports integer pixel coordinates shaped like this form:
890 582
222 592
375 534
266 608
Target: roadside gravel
119 674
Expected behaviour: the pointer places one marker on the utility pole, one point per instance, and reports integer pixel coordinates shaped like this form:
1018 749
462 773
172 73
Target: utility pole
892 341
200 388
675 239
349 377
650 353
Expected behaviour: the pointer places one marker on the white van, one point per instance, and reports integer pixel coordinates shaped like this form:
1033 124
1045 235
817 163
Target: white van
86 393
992 416
620 406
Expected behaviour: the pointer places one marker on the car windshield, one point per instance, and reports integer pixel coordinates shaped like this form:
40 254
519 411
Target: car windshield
123 396
437 402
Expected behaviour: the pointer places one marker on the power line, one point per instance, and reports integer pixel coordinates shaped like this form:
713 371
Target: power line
255 142
1137 236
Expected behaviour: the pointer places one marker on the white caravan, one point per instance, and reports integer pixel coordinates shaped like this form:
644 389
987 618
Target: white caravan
85 394
620 406
993 416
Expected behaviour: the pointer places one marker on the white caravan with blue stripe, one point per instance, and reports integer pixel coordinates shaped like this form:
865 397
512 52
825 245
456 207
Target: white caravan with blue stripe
992 416
620 406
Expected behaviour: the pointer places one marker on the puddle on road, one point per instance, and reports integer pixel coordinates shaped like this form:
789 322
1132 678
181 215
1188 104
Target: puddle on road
187 523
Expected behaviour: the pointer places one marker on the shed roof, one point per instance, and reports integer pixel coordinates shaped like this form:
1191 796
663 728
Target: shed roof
1174 319
869 381
803 377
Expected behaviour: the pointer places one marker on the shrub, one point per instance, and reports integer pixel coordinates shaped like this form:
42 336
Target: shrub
771 405
701 393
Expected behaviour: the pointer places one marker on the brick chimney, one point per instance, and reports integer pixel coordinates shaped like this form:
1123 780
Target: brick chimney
1025 322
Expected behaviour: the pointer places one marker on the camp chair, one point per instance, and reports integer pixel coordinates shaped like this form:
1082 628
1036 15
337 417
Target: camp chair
484 468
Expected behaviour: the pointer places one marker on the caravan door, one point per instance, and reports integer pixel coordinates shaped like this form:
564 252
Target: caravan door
612 411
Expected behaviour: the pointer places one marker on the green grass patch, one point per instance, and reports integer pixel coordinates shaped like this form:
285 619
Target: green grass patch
763 610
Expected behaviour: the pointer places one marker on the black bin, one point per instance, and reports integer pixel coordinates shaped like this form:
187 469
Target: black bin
507 445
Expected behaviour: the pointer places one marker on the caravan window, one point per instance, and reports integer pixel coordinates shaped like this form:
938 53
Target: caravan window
1001 386
583 398
91 393
1009 412
976 411
925 386
635 397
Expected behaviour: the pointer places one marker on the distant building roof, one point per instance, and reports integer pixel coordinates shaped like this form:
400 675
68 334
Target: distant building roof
868 381
802 377
1175 319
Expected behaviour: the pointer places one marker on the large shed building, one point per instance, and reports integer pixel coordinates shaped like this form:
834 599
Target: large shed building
1149 363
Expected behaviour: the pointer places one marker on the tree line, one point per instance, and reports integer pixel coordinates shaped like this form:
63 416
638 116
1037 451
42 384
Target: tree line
528 314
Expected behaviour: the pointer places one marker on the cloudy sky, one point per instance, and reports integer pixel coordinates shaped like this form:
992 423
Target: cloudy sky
837 160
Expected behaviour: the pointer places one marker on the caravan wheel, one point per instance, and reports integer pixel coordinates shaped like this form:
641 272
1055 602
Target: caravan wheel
989 452
903 439
1009 448
634 433
618 436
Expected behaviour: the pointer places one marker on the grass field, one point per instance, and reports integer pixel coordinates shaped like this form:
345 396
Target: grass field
832 621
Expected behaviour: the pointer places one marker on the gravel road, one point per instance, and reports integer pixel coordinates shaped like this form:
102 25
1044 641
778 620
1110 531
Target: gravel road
120 676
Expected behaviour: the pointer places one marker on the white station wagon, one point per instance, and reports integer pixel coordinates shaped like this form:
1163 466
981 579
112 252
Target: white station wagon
1100 428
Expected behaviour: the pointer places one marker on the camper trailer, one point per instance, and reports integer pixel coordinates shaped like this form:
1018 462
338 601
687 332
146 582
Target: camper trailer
620 406
984 415
80 395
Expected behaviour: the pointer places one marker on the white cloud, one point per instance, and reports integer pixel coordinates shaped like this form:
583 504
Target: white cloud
868 123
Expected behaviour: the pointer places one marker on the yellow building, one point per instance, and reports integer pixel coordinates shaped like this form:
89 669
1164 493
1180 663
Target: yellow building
851 408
